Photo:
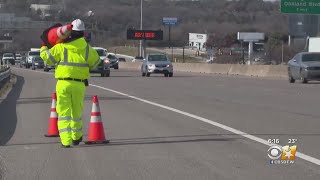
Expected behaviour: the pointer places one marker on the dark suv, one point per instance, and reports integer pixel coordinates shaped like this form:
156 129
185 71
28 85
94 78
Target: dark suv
114 61
104 65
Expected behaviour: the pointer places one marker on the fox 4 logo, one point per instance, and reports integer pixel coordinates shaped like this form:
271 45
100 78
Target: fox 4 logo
289 152
282 155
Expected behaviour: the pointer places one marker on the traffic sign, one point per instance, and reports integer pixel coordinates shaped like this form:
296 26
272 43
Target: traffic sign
6 39
169 20
300 6
133 34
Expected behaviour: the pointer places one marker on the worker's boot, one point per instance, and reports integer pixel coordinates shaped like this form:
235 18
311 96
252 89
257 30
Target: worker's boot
77 142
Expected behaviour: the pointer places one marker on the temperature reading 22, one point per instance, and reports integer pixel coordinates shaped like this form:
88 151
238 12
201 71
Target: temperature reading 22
292 141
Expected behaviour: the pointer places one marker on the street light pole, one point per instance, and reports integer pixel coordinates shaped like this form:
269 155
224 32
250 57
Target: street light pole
140 48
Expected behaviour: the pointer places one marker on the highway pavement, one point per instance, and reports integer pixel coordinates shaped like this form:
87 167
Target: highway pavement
190 126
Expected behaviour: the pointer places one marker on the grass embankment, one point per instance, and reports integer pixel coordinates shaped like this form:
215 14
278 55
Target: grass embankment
134 51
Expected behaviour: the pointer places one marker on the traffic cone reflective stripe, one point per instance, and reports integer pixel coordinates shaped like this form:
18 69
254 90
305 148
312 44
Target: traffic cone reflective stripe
54 105
53 115
53 120
96 116
96 130
63 31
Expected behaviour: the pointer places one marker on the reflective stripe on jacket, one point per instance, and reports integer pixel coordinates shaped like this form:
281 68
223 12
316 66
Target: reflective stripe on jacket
72 60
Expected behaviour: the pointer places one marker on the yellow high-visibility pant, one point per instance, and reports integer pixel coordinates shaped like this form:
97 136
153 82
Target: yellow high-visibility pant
70 97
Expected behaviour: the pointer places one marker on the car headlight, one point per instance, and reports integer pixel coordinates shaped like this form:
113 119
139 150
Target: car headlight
169 65
151 65
106 61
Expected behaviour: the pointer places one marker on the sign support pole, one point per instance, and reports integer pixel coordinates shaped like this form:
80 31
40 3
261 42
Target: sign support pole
144 48
183 54
250 52
169 36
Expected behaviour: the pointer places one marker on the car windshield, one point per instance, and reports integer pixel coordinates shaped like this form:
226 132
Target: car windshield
111 56
34 53
7 55
37 58
101 52
157 58
310 57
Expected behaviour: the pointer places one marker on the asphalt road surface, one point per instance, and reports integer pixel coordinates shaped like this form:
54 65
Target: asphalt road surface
190 126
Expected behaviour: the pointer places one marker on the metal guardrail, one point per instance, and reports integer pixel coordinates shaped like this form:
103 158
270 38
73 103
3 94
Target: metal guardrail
5 72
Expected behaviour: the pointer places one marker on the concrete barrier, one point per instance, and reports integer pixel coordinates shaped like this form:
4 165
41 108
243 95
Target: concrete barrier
274 71
190 67
280 71
219 68
253 70
237 69
135 66
201 68
258 70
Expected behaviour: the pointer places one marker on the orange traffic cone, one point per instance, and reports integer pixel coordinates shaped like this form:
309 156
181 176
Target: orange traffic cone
58 34
53 121
96 130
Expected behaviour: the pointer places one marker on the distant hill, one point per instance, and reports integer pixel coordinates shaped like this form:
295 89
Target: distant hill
207 16
113 17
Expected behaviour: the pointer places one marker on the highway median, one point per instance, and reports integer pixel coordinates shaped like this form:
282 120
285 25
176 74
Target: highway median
266 71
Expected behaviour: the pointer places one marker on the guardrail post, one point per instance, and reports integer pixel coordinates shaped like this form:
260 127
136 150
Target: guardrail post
4 75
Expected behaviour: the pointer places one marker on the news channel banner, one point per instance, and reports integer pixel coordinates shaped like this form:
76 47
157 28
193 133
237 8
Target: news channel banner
282 154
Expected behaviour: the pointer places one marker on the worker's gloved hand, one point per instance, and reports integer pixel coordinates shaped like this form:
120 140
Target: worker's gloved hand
86 82
45 41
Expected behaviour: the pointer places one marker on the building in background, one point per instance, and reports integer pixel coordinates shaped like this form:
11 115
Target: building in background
198 41
47 10
8 21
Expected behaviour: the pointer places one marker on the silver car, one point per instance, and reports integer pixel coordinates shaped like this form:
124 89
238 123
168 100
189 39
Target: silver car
157 63
304 66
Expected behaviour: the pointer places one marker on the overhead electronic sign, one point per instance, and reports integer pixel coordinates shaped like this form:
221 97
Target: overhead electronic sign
133 34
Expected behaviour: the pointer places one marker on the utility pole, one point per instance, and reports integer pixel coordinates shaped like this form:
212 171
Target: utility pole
169 36
183 54
140 48
282 53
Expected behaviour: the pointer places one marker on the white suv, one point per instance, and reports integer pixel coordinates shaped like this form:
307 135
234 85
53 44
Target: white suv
8 58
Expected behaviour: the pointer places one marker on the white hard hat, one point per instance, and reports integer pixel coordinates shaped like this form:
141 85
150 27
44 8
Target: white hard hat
78 25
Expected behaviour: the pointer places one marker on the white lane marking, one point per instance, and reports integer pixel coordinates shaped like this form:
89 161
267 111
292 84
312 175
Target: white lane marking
230 129
30 147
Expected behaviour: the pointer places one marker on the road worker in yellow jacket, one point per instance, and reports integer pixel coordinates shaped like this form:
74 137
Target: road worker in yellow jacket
73 59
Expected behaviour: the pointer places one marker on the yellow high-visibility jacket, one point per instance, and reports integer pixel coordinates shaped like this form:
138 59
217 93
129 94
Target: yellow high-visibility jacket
72 60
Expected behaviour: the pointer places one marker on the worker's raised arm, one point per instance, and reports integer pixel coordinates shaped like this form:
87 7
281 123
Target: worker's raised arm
51 56
93 58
